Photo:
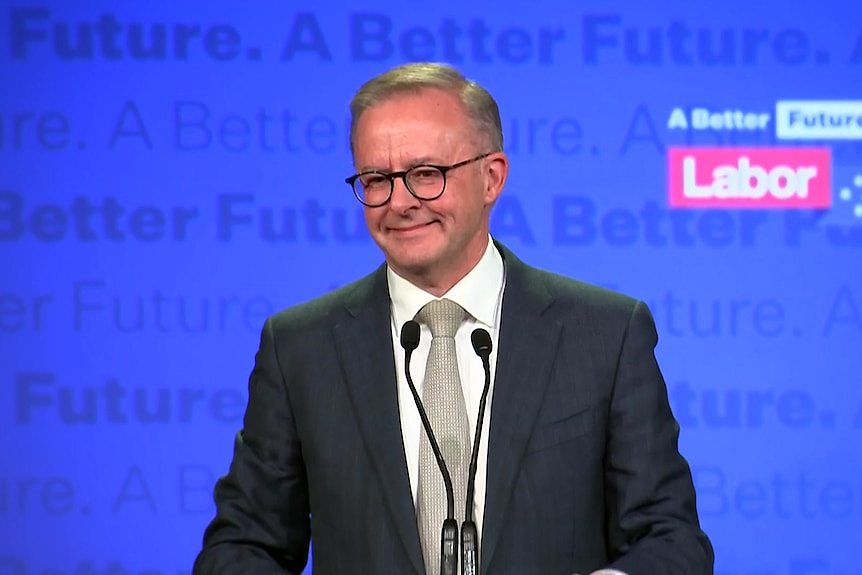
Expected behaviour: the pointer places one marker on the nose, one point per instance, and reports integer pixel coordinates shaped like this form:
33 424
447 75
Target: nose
402 200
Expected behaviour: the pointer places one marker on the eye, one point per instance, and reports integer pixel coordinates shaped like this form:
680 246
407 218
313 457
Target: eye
373 180
425 174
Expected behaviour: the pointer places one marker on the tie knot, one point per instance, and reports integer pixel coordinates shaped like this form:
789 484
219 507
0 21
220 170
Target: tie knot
442 316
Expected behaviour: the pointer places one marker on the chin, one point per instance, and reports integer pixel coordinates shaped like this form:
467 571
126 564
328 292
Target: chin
411 251
411 266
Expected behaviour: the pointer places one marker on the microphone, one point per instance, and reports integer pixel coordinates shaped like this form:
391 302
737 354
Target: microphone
410 338
481 340
449 536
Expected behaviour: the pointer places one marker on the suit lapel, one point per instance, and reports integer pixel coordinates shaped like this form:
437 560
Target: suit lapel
365 351
527 348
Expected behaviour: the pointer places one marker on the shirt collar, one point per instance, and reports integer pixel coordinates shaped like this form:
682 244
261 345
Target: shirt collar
477 292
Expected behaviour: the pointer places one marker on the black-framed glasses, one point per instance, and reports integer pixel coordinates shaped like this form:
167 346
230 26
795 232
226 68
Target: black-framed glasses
425 182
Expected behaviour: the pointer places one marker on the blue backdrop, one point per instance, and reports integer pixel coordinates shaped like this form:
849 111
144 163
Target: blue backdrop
172 173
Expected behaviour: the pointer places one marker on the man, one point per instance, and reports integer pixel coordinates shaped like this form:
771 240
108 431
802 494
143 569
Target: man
578 467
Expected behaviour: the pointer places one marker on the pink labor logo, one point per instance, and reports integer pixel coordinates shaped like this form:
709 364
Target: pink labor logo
784 178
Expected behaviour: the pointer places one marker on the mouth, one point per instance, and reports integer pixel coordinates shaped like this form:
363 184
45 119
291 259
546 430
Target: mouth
411 229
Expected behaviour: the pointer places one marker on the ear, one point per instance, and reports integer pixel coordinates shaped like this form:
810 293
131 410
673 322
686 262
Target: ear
496 171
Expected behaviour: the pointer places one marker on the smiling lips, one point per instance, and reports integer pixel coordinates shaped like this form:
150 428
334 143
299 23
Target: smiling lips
410 229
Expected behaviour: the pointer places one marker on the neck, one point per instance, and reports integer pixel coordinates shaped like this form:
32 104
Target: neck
440 288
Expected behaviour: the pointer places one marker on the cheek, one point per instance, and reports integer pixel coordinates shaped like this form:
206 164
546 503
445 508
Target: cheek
371 218
469 208
452 207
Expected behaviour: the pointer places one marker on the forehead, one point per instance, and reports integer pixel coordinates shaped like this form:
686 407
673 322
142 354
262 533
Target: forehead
431 102
425 117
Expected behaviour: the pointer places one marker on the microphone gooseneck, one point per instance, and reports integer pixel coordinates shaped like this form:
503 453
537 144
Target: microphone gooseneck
481 340
410 341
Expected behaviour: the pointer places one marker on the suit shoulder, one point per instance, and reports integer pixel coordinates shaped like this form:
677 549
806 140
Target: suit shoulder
601 310
573 295
325 310
585 296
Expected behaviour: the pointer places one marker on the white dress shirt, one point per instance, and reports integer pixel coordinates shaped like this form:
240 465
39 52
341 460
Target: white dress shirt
480 293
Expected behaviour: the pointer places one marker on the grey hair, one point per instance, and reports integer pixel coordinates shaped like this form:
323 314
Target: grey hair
478 103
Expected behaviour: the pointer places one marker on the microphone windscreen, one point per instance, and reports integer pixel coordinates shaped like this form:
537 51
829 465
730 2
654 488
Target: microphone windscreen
410 335
481 342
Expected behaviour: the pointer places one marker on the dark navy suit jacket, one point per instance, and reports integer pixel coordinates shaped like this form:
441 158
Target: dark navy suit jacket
583 466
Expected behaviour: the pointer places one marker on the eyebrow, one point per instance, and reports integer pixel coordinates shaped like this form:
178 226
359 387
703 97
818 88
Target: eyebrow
420 161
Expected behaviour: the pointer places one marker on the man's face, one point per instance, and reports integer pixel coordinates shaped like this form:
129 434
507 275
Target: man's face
434 243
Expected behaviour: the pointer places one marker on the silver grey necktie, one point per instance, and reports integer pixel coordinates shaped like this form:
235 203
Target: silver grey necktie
444 403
